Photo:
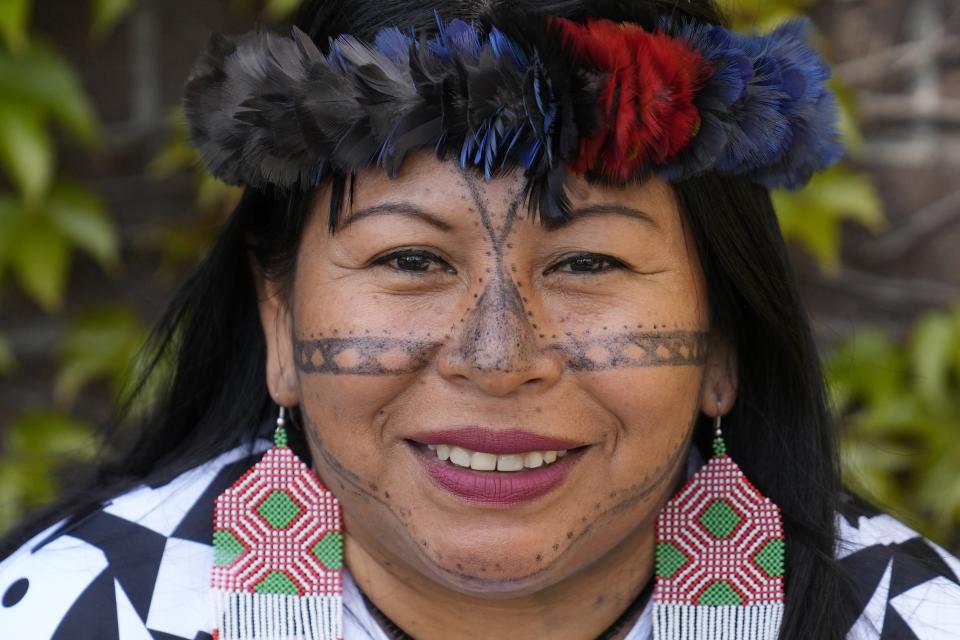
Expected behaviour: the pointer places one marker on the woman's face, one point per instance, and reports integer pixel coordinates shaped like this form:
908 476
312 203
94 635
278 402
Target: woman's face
498 405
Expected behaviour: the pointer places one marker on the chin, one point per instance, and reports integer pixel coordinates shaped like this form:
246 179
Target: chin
499 563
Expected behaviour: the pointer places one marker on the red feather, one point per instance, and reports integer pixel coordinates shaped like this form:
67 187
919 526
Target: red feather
645 103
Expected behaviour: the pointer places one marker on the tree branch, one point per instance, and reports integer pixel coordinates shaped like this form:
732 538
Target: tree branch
917 227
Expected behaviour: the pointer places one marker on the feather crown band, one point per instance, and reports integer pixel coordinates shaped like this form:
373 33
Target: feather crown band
606 99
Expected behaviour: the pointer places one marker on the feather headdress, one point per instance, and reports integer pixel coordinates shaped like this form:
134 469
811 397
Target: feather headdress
606 99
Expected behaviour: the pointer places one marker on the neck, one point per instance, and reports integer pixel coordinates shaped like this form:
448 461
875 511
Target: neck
583 605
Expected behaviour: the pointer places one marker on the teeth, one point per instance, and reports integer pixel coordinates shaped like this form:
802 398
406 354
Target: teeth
483 462
480 461
460 457
512 462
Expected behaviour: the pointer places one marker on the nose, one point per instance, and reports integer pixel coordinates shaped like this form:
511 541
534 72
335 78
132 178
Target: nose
496 347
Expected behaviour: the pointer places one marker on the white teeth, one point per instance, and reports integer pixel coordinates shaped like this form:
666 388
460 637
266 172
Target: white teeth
512 462
460 457
480 461
483 462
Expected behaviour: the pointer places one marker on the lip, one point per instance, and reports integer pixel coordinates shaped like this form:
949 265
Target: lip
506 442
496 488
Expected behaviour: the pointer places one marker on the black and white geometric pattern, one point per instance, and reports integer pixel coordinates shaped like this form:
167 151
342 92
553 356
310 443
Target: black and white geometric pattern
907 587
139 569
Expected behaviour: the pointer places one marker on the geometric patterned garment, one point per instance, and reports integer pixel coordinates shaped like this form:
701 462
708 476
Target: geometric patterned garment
277 553
719 558
140 569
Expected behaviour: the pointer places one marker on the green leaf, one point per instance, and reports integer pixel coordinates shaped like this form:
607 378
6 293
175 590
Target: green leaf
44 82
176 156
8 362
812 217
100 344
36 445
11 210
766 13
43 433
276 10
869 467
849 127
14 19
868 365
26 151
40 259
82 218
107 13
956 353
933 344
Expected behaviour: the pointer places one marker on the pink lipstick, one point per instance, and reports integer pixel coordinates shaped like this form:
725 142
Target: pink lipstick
498 442
495 488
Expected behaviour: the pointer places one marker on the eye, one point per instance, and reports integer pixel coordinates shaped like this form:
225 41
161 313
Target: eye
412 261
586 263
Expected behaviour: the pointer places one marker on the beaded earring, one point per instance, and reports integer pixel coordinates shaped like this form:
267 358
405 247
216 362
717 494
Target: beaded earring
719 557
278 552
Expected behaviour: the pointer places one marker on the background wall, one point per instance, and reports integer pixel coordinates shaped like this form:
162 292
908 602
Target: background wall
102 214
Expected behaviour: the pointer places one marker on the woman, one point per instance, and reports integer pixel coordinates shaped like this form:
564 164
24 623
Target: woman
503 357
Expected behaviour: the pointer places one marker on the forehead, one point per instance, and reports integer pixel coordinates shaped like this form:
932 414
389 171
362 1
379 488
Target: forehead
440 185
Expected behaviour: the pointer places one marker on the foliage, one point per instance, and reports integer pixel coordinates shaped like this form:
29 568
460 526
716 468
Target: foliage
107 13
901 407
812 218
100 344
179 245
44 220
762 14
35 446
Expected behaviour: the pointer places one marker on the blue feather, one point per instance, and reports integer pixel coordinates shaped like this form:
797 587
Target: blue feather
394 44
765 112
462 41
502 45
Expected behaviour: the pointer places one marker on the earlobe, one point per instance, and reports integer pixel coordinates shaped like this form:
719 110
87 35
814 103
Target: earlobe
281 377
719 391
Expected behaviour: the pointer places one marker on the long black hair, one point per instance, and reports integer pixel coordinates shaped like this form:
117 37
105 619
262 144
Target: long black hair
779 430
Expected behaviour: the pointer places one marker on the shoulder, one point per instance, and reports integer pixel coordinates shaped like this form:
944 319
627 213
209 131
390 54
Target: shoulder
904 586
139 567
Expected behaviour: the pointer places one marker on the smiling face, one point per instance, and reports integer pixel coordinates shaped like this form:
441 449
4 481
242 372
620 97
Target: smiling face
439 320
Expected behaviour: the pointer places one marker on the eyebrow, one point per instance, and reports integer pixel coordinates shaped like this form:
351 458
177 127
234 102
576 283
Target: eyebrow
409 210
399 209
603 209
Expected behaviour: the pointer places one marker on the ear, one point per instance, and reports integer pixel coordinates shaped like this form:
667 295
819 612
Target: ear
719 390
276 321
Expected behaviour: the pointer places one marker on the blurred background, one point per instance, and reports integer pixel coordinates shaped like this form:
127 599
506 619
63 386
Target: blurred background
103 212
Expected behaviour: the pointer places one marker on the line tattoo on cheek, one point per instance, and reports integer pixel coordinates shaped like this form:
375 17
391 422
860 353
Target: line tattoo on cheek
385 356
365 356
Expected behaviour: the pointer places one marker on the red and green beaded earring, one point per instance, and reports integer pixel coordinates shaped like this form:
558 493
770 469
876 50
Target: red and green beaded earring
719 558
278 552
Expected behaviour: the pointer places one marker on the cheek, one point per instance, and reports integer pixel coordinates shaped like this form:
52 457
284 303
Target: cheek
346 412
652 406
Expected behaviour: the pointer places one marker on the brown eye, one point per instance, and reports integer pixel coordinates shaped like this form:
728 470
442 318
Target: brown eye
586 263
412 261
